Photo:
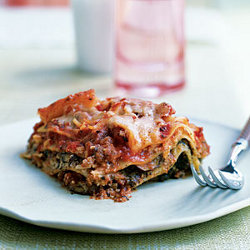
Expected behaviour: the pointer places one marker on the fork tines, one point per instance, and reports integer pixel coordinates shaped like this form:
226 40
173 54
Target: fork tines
211 180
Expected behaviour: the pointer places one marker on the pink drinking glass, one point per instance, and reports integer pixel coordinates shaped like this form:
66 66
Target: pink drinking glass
149 47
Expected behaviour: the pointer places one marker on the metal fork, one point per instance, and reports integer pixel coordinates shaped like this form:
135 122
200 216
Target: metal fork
228 176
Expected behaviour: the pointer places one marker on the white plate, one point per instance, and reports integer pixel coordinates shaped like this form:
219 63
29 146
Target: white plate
29 195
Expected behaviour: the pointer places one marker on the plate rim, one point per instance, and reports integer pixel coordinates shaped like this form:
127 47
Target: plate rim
90 228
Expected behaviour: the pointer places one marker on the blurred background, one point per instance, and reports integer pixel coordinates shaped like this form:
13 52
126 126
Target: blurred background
38 60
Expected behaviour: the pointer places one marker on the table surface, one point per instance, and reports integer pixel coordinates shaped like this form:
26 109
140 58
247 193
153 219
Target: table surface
217 89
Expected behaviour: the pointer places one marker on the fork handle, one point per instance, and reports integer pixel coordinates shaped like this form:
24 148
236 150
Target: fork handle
240 144
245 133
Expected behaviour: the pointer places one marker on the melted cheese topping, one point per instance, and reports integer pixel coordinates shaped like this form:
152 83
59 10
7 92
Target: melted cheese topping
139 123
140 132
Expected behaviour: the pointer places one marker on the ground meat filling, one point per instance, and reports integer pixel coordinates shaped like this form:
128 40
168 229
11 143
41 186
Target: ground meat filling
67 168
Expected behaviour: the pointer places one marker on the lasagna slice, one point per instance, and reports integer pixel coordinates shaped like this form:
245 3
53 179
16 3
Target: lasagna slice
107 148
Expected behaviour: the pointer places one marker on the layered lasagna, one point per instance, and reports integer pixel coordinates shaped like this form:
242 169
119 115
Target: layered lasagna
107 148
